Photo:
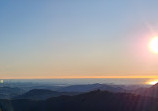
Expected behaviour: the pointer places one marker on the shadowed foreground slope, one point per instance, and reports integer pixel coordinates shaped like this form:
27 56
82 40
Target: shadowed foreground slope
92 101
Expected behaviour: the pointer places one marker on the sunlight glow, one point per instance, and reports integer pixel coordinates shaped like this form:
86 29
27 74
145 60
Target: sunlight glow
154 45
1 81
153 82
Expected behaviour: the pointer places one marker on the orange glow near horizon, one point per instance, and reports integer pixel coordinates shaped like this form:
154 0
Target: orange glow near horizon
85 77
154 45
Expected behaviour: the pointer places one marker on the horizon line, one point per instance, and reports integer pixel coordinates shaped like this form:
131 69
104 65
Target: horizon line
85 77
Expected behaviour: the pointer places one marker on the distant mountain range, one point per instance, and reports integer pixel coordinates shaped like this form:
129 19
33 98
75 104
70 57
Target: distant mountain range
91 87
9 92
90 97
42 94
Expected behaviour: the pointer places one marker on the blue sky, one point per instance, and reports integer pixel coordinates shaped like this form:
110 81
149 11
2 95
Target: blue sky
77 38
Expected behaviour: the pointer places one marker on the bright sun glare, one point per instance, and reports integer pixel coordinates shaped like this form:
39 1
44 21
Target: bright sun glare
152 82
154 44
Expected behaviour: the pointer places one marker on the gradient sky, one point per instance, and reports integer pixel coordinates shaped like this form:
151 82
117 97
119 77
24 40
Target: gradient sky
84 38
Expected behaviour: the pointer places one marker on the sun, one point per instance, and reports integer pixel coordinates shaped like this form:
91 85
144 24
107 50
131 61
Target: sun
154 44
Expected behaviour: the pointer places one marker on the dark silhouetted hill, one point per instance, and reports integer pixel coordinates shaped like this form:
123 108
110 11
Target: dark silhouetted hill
92 101
150 92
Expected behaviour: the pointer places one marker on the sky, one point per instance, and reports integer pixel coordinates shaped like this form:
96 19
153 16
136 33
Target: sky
77 39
